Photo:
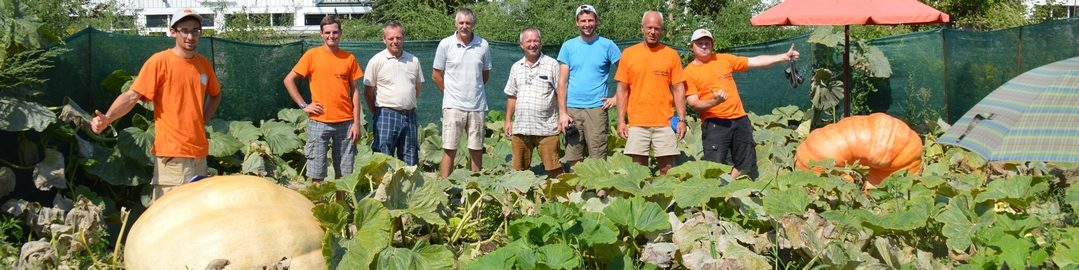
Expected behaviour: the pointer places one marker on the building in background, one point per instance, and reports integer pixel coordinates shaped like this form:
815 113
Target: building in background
293 16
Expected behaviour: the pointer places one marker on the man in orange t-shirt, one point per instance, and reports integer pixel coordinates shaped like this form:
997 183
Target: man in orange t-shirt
649 80
334 113
177 81
710 90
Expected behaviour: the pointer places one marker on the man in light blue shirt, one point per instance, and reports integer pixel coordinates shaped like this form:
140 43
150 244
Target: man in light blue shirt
461 68
585 65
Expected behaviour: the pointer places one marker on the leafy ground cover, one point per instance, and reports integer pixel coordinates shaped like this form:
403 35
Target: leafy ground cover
960 212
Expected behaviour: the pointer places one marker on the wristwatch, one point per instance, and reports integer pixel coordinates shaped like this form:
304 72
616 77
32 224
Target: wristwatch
302 105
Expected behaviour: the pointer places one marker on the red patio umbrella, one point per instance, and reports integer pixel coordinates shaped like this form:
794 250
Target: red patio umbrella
847 13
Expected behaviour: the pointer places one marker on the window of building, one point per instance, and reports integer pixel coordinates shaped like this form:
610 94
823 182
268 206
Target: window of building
157 20
207 20
281 19
315 19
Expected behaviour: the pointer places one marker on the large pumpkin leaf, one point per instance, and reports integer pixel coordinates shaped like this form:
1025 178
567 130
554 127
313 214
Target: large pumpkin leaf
827 36
115 81
912 216
223 145
74 114
1019 190
876 64
534 229
1066 253
372 235
562 212
618 172
18 115
280 136
558 256
637 216
792 200
296 117
111 166
412 194
49 173
7 181
1072 197
333 216
135 143
699 168
594 228
422 257
696 191
244 131
661 186
960 223
518 181
516 255
826 90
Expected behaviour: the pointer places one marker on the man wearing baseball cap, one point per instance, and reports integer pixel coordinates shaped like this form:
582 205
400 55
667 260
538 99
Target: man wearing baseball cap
585 65
183 87
711 91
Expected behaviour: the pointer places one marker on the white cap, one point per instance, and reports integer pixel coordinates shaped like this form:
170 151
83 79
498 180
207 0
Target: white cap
699 33
184 13
585 7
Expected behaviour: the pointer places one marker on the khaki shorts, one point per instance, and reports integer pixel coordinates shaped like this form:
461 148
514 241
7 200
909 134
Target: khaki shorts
453 121
171 172
661 139
522 151
592 136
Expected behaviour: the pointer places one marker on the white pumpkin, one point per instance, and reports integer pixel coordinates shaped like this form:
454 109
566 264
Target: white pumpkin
246 220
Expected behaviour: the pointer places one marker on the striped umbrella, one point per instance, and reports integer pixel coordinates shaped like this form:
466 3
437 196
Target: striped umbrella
1032 117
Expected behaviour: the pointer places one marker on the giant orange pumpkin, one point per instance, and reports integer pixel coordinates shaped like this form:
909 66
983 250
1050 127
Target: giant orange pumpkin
246 220
881 142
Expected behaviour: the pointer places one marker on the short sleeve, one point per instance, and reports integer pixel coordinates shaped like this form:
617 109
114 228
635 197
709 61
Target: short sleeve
303 67
676 68
691 81
419 73
511 82
486 56
213 87
373 66
150 77
613 53
622 75
738 63
357 72
563 53
440 56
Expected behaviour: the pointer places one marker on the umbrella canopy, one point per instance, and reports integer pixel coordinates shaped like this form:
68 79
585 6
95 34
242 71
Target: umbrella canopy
846 13
849 12
1032 117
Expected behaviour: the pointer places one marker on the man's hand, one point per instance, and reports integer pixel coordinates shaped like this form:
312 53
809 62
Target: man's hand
507 129
353 132
623 131
99 122
609 102
563 121
718 96
792 54
681 130
314 108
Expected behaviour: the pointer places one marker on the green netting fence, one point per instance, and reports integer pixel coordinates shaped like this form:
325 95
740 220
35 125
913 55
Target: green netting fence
938 73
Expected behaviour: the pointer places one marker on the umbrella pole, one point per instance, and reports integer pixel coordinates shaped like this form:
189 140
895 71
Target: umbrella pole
846 70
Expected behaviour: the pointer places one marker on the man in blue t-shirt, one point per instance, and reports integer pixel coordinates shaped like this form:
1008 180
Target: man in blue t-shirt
585 64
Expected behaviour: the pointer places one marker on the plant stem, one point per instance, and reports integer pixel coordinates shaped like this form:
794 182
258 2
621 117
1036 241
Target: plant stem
124 215
465 218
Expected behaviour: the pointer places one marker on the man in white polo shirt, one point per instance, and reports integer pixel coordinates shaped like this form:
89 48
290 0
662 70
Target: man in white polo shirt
461 68
391 88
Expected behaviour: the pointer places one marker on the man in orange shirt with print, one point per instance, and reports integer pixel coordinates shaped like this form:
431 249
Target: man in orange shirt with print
177 81
334 113
650 81
712 92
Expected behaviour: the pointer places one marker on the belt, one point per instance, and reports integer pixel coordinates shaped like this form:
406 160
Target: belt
399 110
